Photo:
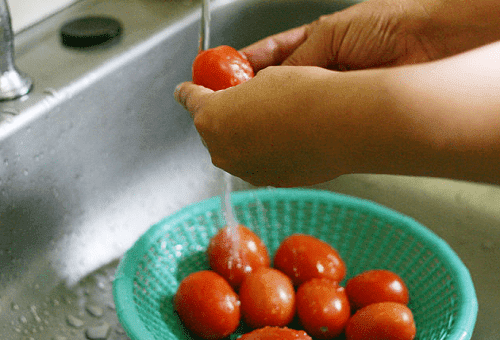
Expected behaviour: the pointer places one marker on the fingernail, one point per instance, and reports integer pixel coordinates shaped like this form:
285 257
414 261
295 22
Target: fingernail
243 55
177 94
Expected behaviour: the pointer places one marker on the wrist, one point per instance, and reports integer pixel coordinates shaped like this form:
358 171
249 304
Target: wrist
367 125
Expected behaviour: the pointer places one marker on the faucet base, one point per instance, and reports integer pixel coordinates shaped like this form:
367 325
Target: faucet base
14 84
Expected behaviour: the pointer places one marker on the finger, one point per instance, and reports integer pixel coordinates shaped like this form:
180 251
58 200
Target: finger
316 49
191 96
275 49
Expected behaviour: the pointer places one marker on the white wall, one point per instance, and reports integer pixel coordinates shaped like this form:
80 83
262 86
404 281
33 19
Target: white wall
26 12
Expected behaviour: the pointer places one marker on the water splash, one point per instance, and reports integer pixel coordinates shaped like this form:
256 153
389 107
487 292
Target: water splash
227 207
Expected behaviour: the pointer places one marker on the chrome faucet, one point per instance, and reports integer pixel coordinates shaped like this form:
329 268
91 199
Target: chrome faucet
13 83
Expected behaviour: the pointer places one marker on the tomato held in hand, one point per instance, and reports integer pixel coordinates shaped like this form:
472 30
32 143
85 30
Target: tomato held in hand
274 333
235 256
207 305
323 308
303 257
382 321
267 298
374 286
221 67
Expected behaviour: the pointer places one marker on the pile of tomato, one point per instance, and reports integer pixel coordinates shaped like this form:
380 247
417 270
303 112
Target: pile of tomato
301 288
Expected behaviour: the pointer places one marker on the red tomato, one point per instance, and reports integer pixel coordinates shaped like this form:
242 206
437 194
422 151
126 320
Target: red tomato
235 256
207 305
375 286
381 321
303 257
274 333
221 67
267 298
323 308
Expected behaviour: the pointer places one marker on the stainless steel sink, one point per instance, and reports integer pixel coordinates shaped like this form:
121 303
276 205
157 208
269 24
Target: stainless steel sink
99 151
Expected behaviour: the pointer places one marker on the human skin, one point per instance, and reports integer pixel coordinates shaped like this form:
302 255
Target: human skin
424 118
380 33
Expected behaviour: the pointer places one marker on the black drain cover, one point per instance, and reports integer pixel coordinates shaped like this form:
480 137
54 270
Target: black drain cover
90 31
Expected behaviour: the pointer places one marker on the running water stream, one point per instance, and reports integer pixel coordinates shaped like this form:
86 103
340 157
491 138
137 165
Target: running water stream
205 26
228 213
227 208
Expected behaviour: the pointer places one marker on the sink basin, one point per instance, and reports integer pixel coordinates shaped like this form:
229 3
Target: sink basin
99 151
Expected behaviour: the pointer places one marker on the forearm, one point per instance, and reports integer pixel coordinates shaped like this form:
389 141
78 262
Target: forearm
292 126
452 110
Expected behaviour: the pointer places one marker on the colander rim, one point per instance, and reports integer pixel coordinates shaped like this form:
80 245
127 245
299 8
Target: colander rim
124 276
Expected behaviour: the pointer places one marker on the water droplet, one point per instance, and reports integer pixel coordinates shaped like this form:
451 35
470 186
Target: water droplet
10 111
50 91
100 332
59 337
74 321
95 311
35 314
25 172
6 161
13 305
22 319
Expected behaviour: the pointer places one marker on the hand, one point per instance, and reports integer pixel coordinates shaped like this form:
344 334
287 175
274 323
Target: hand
292 126
371 34
314 129
382 33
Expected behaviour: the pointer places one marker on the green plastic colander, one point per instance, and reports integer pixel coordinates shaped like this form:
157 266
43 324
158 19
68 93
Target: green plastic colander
367 236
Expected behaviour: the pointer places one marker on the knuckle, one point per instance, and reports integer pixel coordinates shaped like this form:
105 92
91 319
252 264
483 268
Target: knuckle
191 103
202 123
322 19
323 22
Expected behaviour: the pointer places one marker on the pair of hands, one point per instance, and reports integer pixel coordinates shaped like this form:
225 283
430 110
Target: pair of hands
303 122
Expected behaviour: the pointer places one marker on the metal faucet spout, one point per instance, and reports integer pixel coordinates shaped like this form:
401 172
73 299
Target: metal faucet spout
13 83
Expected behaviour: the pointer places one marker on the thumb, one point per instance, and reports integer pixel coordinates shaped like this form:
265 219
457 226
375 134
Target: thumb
191 96
316 50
